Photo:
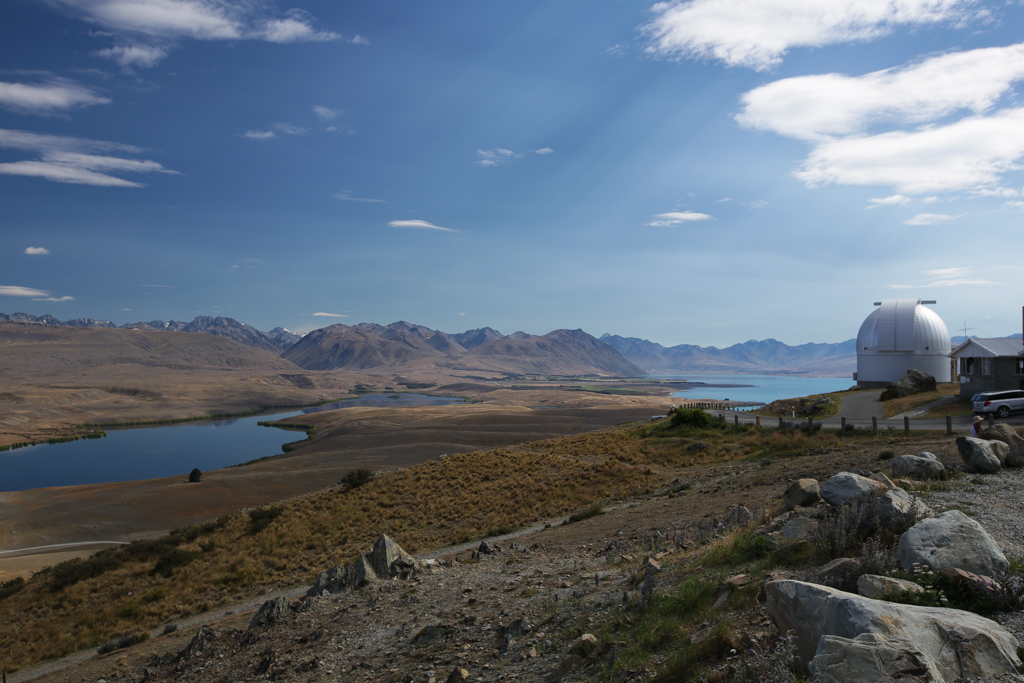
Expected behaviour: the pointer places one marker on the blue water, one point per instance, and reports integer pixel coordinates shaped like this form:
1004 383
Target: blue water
164 451
760 389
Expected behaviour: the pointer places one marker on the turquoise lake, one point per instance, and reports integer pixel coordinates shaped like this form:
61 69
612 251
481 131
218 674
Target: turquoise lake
760 388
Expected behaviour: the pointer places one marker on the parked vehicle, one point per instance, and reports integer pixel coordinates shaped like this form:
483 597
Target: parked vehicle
1002 403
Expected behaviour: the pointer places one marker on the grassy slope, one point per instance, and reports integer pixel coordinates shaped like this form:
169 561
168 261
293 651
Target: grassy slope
896 406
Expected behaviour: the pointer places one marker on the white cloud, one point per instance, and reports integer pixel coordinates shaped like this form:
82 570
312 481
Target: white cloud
347 196
146 29
544 150
56 299
500 155
359 40
970 153
950 277
144 56
418 225
723 200
956 271
930 219
893 200
37 251
758 33
901 286
259 134
289 129
28 292
930 200
324 113
1015 204
158 286
321 314
892 127
53 96
1004 192
462 313
674 218
757 204
960 282
69 160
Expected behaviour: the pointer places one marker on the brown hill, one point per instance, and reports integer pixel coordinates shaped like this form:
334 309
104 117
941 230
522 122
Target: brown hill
355 348
562 352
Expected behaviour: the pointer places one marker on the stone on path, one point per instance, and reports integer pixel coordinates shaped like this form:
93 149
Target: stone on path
951 644
916 467
951 540
847 487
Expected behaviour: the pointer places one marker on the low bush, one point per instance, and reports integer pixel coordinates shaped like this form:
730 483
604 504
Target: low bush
124 641
357 478
168 562
592 511
260 518
9 588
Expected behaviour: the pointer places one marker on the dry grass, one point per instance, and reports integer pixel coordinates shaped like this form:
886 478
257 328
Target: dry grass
896 406
786 407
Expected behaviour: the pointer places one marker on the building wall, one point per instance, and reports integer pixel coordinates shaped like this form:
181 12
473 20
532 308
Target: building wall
1002 378
877 369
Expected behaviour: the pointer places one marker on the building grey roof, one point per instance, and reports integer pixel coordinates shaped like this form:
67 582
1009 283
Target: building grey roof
989 348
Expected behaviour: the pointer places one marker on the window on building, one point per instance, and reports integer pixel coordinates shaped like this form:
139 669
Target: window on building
1020 367
966 366
986 366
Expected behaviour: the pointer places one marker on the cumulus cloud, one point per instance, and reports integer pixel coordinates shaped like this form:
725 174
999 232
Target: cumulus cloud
37 251
930 219
544 150
674 218
893 200
75 160
758 33
418 225
146 29
55 95
347 197
893 127
321 314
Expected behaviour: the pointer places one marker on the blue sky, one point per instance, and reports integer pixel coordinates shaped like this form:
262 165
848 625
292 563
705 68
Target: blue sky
700 172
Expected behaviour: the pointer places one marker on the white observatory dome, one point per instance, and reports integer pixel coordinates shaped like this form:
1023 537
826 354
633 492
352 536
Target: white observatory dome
899 335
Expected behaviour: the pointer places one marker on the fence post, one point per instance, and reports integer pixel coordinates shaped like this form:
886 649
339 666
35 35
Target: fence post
906 426
874 426
736 419
780 422
721 418
949 425
810 423
991 419
758 422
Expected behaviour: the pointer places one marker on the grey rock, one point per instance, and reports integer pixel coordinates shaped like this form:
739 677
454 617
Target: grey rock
1006 434
916 467
899 502
870 657
797 528
847 487
802 492
978 455
878 587
519 628
913 382
271 612
388 559
1001 451
951 540
926 454
697 446
882 479
953 644
432 632
839 570
338 579
486 548
199 644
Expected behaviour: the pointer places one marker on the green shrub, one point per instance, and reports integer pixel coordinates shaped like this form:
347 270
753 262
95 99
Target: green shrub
693 418
357 478
9 588
168 562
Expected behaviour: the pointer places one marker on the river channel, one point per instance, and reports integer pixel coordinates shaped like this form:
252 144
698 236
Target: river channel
169 450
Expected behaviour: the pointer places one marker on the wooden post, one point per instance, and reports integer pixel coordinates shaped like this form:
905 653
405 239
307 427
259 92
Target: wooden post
874 426
736 419
906 426
758 422
780 422
721 418
991 419
810 423
949 425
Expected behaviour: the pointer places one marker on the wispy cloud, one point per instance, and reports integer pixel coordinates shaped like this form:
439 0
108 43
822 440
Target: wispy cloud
758 33
723 200
501 155
419 225
892 200
948 277
321 314
347 197
27 292
674 218
544 151
259 134
757 204
145 30
957 271
324 113
37 251
158 286
55 95
74 160
924 127
283 128
56 299
930 219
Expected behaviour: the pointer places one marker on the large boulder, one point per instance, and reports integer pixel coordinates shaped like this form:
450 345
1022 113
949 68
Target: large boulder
978 455
847 487
914 382
388 559
916 467
880 587
950 644
802 492
385 560
900 503
271 612
870 657
1006 434
951 540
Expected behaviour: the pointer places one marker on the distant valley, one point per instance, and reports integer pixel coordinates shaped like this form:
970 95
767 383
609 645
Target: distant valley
370 347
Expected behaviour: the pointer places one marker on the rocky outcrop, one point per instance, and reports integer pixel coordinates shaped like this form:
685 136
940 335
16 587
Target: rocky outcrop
847 487
870 657
913 382
949 644
917 467
951 540
880 587
802 492
978 455
384 561
900 503
270 613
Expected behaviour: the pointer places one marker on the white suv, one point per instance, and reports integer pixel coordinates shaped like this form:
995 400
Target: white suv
1002 403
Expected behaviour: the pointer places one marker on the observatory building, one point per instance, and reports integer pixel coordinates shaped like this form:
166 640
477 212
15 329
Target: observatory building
899 335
